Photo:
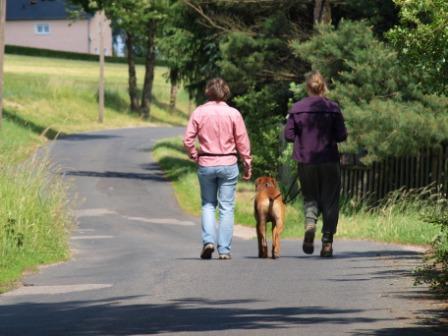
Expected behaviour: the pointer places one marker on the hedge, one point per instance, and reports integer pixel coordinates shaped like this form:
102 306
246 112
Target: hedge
28 51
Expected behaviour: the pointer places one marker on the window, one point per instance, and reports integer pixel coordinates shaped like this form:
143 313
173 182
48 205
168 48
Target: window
42 28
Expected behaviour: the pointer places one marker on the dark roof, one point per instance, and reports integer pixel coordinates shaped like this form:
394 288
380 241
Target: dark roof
42 10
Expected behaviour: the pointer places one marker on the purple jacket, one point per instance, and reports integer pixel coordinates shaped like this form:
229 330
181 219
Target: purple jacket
315 125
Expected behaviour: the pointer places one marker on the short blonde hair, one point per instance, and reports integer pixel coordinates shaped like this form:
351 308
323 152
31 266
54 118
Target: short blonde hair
316 84
217 90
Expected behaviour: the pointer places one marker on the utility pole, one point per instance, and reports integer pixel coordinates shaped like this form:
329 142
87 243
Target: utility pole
2 54
101 82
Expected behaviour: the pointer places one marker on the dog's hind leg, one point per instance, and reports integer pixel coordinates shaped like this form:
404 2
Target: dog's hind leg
261 235
277 229
275 240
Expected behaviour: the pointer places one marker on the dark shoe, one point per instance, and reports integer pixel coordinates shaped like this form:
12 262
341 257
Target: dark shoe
327 250
308 240
225 257
207 251
327 245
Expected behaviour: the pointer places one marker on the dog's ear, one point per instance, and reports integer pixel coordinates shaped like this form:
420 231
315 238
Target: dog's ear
258 181
274 182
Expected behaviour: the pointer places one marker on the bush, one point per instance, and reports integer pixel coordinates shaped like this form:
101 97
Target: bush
435 273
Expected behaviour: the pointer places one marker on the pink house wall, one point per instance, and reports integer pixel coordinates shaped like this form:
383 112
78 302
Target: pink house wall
77 36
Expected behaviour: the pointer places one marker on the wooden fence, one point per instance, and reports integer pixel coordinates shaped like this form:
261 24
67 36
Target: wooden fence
374 182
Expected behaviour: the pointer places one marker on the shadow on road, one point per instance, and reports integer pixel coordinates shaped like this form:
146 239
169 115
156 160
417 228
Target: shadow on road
399 254
87 137
155 174
156 177
416 331
433 326
184 315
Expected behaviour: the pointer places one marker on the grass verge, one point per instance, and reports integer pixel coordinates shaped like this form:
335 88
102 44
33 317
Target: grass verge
398 220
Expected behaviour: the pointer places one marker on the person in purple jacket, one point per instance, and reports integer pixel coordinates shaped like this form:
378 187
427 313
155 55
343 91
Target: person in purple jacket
315 125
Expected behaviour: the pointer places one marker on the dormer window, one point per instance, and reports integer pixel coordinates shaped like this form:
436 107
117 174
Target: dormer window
42 29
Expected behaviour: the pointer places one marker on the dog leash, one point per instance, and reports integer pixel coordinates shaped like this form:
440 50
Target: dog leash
289 198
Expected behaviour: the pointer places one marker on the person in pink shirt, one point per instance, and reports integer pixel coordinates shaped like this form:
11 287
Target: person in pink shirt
222 135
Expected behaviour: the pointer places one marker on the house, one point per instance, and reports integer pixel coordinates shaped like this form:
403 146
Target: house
49 25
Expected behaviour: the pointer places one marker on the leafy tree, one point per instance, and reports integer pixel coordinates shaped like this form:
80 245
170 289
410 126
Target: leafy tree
126 15
190 46
246 43
138 19
385 109
175 45
421 40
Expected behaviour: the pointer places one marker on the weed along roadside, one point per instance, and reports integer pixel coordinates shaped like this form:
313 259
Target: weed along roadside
45 98
35 219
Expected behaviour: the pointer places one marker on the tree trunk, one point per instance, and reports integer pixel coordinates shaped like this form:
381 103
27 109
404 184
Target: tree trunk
190 103
101 81
322 11
145 106
133 94
174 78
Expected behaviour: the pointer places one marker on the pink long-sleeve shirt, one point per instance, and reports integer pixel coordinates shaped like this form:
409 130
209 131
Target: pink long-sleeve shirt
220 129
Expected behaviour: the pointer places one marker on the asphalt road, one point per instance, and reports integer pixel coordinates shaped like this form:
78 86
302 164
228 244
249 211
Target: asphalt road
136 269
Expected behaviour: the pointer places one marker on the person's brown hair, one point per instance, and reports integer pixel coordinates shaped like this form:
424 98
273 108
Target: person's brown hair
315 83
217 90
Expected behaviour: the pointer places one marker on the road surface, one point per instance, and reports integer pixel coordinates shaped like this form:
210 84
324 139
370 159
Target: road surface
136 270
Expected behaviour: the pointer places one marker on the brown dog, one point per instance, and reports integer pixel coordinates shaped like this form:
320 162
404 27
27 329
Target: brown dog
269 207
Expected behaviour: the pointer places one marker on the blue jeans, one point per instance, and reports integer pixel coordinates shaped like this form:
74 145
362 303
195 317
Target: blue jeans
218 185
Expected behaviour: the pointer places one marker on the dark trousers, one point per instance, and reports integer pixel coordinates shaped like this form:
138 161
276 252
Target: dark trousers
321 186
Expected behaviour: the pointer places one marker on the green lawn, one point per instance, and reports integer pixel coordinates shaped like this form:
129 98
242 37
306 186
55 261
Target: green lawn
45 98
396 221
45 95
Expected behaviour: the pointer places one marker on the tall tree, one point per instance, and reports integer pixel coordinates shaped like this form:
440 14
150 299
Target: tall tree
138 19
174 84
176 46
381 15
322 11
132 73
150 62
247 43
